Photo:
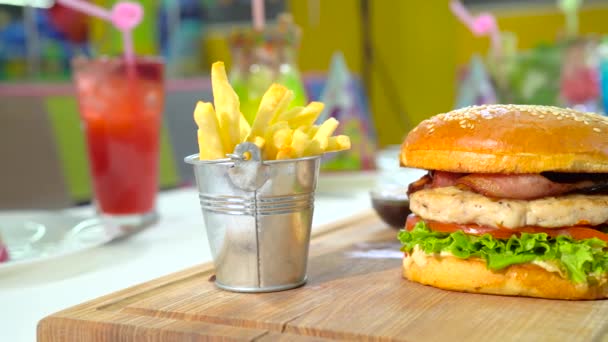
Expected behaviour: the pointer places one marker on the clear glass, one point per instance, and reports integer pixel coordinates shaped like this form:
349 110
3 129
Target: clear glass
121 110
261 58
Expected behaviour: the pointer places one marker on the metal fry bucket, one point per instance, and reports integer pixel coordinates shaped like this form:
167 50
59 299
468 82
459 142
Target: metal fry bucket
258 216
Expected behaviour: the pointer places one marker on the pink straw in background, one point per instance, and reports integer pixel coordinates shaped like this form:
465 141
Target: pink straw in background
482 25
257 13
125 16
570 9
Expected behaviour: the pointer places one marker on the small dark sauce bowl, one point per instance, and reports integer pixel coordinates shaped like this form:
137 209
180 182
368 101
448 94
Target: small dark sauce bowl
392 205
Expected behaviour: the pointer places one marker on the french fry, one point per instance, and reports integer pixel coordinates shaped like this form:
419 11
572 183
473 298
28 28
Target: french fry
282 138
290 114
244 128
281 142
314 148
307 116
285 153
208 134
299 142
326 129
279 132
311 130
260 142
270 148
225 132
226 105
282 106
271 102
338 143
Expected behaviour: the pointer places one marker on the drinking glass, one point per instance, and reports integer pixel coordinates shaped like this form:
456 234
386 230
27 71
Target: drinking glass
121 108
261 58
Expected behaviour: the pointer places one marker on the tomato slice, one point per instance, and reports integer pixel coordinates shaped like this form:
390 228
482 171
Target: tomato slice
576 232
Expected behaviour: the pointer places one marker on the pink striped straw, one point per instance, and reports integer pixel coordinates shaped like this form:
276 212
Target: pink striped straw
257 13
125 16
482 25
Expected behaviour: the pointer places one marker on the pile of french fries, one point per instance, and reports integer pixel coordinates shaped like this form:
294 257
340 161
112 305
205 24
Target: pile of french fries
279 131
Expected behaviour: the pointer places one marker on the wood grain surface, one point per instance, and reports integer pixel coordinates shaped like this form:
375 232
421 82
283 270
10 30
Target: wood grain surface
355 292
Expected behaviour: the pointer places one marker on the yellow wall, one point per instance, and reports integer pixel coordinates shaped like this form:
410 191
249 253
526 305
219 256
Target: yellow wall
413 70
337 29
407 64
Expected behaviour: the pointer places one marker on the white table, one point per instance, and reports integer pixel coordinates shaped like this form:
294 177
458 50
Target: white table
178 241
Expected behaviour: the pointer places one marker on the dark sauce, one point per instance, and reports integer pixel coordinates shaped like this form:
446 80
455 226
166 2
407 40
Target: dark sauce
392 205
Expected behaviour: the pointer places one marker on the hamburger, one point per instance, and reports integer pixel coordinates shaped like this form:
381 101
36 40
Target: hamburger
515 202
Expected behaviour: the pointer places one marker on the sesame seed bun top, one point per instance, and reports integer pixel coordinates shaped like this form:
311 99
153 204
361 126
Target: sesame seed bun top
509 139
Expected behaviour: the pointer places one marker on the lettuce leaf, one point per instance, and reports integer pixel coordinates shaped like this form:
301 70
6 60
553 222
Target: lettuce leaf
581 260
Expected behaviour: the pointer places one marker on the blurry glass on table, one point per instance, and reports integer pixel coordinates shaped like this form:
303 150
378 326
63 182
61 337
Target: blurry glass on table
565 74
260 58
579 82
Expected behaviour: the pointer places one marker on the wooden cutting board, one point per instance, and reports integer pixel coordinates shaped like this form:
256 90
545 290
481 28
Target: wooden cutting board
355 292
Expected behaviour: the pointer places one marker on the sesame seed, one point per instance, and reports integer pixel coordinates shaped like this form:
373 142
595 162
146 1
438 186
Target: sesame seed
597 129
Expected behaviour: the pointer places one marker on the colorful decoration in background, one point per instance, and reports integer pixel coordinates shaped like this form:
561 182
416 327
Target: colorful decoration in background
71 24
579 76
565 73
345 100
13 48
534 77
182 27
475 87
61 34
603 57
260 58
175 29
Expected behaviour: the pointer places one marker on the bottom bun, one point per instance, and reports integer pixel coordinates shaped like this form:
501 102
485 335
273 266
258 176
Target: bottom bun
471 275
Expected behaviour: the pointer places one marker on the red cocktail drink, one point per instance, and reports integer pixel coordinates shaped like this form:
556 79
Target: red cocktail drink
121 109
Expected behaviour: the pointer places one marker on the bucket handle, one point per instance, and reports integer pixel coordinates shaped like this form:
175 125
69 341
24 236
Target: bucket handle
248 172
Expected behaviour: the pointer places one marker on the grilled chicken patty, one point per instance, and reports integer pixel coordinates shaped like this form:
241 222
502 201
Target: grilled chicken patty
454 205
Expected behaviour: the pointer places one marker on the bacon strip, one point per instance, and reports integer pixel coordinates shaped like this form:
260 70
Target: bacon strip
512 186
442 179
434 179
423 183
518 186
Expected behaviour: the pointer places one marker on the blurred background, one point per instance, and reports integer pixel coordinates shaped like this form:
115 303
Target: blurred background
380 66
